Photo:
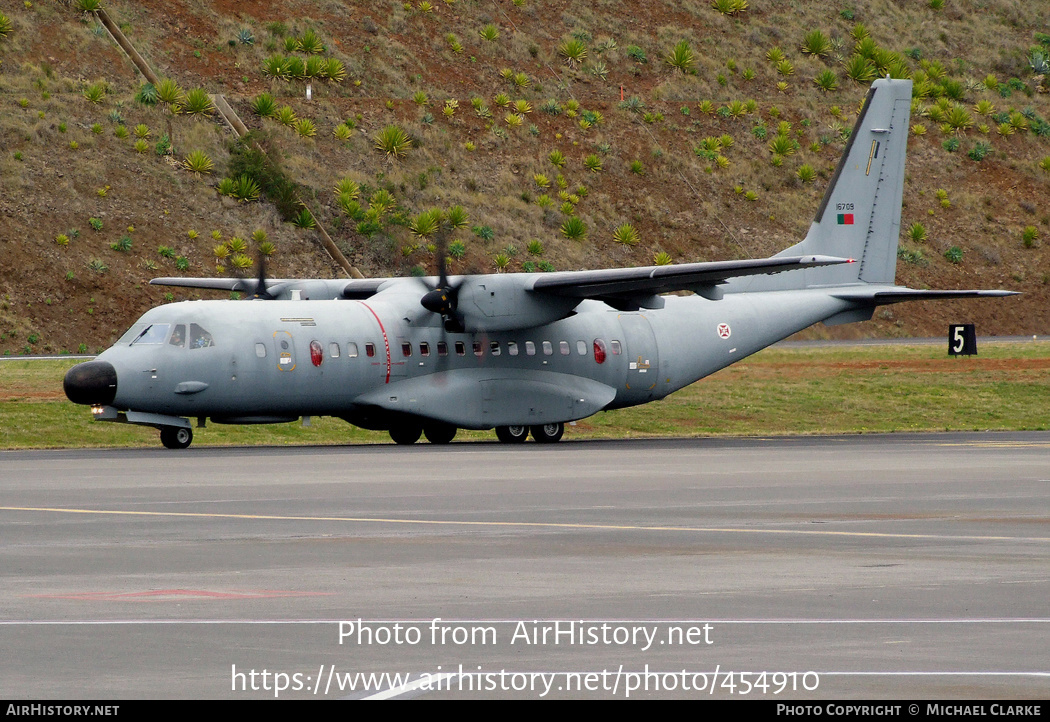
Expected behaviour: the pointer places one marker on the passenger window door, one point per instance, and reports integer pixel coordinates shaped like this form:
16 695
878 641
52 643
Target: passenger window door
284 348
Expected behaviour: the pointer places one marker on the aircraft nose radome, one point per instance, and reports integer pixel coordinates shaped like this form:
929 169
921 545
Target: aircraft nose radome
93 383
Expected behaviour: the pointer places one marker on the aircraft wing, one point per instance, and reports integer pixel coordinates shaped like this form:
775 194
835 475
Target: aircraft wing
615 283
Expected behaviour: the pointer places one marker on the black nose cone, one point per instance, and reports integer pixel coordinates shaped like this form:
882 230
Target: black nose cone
93 383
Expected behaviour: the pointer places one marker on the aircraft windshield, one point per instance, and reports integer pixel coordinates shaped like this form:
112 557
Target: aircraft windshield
154 333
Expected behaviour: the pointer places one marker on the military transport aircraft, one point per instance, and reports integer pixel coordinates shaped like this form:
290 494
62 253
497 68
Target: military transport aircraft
522 353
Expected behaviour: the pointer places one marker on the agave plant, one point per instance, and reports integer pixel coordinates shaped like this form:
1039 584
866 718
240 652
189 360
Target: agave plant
593 163
245 189
309 43
574 229
393 141
198 162
662 259
198 102
264 105
827 81
534 247
276 67
314 67
334 70
626 235
285 116
489 32
860 69
168 91
304 219
305 128
681 57
95 92
816 43
574 51
457 217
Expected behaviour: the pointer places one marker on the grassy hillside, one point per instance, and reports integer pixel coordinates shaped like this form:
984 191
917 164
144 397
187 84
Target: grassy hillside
512 110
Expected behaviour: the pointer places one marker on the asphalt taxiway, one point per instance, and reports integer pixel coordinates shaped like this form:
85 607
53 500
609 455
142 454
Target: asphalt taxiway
884 566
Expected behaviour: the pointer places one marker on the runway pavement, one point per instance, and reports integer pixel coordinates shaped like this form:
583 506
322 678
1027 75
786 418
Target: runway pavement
842 567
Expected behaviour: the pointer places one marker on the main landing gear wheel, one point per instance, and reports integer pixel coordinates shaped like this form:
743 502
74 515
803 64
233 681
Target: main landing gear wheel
439 433
406 434
176 437
548 433
512 434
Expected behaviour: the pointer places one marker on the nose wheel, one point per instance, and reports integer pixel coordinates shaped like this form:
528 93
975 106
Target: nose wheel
176 437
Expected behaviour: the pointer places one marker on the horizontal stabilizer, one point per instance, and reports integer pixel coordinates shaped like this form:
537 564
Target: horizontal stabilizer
897 295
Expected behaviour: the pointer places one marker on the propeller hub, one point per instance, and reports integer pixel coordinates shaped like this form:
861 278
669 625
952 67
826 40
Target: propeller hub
440 300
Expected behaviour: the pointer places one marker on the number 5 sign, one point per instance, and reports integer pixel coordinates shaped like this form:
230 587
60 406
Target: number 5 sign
962 340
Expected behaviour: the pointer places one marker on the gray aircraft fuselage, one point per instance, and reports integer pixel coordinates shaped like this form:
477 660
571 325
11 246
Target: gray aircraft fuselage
523 353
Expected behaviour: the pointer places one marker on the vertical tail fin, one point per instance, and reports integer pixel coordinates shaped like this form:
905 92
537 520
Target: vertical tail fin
860 215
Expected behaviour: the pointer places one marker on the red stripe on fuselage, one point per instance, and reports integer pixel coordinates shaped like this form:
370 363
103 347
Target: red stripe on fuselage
386 341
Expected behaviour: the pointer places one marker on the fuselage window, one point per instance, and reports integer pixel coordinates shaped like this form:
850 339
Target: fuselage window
370 350
442 348
316 353
461 349
494 347
599 351
406 349
547 348
351 350
615 347
199 338
512 348
478 348
530 348
260 350
155 333
178 336
563 346
333 349
581 348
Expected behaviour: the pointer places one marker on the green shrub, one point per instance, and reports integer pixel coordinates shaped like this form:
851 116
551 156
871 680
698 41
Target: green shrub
198 102
954 254
264 105
626 235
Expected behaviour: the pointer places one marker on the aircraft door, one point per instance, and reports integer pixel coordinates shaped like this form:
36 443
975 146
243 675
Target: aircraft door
284 350
642 355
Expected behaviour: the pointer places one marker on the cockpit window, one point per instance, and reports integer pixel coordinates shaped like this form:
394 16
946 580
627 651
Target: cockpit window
178 336
199 338
154 333
131 334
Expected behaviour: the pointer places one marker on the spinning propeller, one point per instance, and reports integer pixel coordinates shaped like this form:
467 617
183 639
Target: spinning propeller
443 299
260 290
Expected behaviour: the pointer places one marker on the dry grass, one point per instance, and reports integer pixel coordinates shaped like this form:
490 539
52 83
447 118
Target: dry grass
677 205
